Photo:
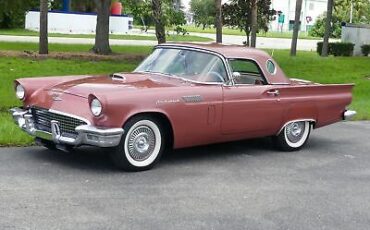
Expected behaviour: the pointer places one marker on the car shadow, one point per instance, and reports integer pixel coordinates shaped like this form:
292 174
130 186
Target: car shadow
96 159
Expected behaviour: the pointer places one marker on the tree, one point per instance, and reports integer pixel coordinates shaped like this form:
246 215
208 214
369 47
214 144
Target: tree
218 21
102 28
341 13
237 14
298 9
204 12
43 39
158 20
325 45
12 12
254 12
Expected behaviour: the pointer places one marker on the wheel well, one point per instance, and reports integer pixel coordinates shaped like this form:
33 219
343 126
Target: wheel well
311 121
165 122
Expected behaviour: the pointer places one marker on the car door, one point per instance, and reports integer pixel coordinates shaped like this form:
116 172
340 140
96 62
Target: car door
250 104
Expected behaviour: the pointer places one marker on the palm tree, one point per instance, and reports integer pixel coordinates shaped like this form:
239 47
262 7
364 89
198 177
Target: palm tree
298 9
329 14
218 21
158 20
43 39
102 27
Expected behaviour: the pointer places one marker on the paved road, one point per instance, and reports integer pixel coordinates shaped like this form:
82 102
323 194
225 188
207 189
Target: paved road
270 43
240 185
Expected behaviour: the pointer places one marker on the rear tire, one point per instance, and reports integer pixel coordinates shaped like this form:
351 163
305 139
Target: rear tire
141 146
293 136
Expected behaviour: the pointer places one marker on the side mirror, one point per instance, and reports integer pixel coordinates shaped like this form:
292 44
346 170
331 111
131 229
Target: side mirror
236 74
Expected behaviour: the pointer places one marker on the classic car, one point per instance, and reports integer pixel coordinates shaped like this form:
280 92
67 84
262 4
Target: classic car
181 95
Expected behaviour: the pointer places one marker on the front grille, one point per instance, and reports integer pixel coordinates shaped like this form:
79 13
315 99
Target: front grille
67 125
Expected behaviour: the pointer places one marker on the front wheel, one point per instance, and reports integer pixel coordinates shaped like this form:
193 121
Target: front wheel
293 136
141 145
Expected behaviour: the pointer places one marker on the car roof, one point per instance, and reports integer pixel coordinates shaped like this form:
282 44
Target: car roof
228 51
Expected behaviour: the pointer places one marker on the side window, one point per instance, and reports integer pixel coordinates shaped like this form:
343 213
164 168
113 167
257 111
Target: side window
246 72
270 67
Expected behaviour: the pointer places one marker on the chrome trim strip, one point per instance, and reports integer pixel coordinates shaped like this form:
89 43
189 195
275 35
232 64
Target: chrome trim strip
312 120
70 115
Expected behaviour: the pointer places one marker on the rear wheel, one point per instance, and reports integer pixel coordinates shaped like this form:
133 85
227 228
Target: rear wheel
293 136
141 145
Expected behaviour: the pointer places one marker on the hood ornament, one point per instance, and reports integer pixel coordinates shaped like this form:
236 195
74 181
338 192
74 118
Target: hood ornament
56 96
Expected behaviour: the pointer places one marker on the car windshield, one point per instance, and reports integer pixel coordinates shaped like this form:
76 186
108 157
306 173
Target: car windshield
187 64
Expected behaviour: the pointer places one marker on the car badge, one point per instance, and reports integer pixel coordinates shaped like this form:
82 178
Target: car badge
56 96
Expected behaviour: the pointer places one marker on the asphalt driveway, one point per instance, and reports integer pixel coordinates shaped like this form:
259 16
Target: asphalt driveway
239 185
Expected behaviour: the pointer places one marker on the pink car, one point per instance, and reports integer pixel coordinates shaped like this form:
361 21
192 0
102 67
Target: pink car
182 95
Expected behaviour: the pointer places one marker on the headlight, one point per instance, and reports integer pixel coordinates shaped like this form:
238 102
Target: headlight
96 107
20 92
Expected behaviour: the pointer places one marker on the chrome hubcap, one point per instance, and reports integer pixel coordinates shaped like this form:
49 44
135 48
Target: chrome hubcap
294 131
141 143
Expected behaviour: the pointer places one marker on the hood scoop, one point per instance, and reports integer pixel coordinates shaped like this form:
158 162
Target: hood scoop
118 77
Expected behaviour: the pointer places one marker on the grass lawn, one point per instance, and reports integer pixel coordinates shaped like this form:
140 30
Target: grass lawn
230 31
173 38
25 46
307 65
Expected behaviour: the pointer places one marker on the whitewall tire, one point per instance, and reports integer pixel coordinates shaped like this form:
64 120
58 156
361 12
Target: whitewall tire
141 145
293 136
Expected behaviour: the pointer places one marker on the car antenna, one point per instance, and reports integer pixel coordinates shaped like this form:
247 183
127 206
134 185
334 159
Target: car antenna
272 53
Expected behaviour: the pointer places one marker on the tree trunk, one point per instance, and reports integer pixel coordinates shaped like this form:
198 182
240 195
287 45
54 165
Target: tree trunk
254 22
43 40
298 9
218 21
102 28
325 45
159 26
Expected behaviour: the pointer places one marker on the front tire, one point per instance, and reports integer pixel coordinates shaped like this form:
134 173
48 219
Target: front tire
293 136
141 145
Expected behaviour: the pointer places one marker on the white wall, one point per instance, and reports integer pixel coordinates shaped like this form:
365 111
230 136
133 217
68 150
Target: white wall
76 23
356 34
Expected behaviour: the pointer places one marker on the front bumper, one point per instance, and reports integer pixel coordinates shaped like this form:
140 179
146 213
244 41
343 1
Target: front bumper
86 134
349 114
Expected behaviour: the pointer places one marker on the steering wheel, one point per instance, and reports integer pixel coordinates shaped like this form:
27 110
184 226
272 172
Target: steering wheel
215 76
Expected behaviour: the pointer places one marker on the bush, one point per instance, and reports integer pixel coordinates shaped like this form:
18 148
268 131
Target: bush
365 49
337 48
318 29
342 49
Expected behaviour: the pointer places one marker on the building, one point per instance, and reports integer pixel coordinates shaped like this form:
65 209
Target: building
311 10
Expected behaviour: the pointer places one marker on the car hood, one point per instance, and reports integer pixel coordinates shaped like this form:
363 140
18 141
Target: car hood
111 84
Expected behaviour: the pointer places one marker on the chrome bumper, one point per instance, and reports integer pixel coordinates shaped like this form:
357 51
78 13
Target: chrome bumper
349 114
87 134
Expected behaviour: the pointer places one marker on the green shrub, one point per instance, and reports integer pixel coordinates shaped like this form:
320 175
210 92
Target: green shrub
365 49
319 48
337 48
342 49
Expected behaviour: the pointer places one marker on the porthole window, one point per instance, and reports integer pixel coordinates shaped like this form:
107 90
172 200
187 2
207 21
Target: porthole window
270 67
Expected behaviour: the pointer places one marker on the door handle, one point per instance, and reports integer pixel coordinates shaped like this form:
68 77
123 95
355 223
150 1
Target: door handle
274 93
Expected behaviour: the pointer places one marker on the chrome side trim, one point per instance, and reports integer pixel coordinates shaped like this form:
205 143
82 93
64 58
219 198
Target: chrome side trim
281 129
349 114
